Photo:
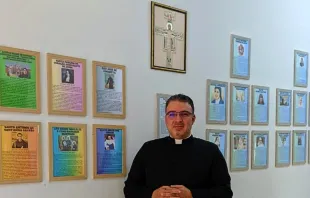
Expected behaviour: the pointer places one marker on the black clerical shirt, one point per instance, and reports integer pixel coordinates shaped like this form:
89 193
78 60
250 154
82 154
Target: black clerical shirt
196 164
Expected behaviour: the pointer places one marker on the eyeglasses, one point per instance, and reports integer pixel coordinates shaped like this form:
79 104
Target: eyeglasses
182 114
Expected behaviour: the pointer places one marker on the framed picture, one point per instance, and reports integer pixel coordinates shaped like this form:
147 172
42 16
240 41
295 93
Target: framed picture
300 69
300 108
239 150
66 85
308 147
299 147
168 38
21 153
283 148
260 105
240 60
162 130
284 107
109 151
217 93
260 149
67 151
240 104
218 137
109 90
20 80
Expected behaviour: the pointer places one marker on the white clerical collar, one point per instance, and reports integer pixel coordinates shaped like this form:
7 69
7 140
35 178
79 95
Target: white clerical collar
179 141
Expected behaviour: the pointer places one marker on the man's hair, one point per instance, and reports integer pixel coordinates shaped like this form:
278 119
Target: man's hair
181 98
19 134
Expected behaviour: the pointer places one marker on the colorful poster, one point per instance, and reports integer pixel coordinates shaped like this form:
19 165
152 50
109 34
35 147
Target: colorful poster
219 138
239 150
299 147
161 108
20 152
239 104
68 154
18 80
67 85
300 108
240 61
260 147
284 106
300 68
283 148
109 151
260 105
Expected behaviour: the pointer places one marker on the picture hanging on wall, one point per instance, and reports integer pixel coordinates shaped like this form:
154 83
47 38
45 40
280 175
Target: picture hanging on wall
240 57
66 83
217 94
240 104
260 150
283 148
168 38
218 137
299 147
260 105
239 150
301 69
20 80
162 130
300 108
283 107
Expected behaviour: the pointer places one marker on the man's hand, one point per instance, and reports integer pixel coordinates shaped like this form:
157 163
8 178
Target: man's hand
167 192
183 191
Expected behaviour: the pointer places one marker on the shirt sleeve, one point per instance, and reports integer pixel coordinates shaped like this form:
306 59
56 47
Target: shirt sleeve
135 185
220 179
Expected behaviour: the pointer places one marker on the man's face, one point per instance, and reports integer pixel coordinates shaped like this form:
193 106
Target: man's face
179 119
19 137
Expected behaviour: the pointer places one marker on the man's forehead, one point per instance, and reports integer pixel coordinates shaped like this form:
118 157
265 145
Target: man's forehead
178 106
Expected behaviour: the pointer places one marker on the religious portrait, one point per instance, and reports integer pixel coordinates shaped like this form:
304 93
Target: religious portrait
109 141
168 38
67 75
19 140
68 142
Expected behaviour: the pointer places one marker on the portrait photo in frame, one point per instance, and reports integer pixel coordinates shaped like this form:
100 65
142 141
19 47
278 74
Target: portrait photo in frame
283 148
162 130
299 147
260 150
283 107
300 108
217 107
240 57
219 138
301 68
168 38
260 105
240 104
239 150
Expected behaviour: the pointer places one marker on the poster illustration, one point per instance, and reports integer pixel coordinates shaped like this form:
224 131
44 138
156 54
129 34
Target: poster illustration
260 149
260 105
283 148
301 69
219 138
299 147
240 105
300 108
284 107
239 148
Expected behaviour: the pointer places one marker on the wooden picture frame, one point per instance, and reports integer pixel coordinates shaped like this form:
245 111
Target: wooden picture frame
168 54
262 139
260 102
234 146
162 130
103 74
243 96
103 131
303 103
57 85
301 66
286 106
299 141
219 141
285 134
10 131
22 69
58 133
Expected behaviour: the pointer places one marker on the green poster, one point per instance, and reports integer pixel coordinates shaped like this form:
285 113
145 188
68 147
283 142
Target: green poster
18 80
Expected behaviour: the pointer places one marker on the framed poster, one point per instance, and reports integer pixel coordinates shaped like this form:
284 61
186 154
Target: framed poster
219 138
240 104
109 90
67 151
217 92
162 130
109 149
20 80
300 69
66 85
240 60
283 148
20 154
308 147
239 150
260 105
260 149
300 108
284 107
299 147
168 38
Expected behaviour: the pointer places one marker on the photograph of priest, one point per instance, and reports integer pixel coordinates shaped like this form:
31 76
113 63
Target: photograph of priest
179 165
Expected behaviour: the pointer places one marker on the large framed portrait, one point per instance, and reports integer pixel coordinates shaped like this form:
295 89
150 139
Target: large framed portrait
299 147
168 38
218 137
162 130
301 68
260 105
240 104
283 148
284 107
300 108
239 150
217 93
260 150
240 60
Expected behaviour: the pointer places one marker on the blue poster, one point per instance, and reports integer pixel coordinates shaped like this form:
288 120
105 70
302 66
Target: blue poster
241 57
301 69
300 117
299 155
240 104
284 107
240 157
260 106
218 138
283 148
260 145
217 101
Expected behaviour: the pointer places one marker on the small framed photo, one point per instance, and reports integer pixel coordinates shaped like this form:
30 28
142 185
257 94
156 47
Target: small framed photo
240 104
300 69
239 150
300 108
260 149
240 57
260 105
217 93
299 147
218 137
168 38
284 107
162 130
283 148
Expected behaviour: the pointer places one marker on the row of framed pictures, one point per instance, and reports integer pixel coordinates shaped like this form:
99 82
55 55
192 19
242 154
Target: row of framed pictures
290 148
21 151
244 96
66 84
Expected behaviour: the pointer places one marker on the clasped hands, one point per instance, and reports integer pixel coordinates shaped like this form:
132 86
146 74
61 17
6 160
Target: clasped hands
174 191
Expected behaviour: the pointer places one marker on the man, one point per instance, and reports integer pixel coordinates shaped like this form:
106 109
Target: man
20 143
180 165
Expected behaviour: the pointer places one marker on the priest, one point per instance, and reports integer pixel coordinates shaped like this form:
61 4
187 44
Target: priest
179 165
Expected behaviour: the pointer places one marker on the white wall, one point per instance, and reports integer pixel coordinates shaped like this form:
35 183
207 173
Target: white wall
119 32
